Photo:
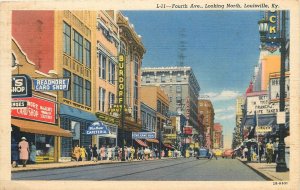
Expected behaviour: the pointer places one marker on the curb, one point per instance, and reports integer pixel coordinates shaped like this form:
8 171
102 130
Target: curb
75 166
258 172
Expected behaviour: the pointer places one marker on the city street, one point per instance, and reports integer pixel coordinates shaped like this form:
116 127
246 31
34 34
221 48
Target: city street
186 169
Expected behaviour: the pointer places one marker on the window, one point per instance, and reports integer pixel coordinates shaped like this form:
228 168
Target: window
144 120
111 72
148 121
163 78
111 97
178 78
171 89
136 66
67 39
87 93
147 79
101 99
178 99
88 53
67 74
163 109
123 48
178 88
135 93
102 66
170 98
158 106
78 89
78 44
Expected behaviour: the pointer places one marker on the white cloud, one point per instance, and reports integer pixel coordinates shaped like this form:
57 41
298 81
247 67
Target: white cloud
225 110
224 95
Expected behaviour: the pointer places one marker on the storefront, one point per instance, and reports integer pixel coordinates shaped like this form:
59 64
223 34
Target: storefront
111 123
37 122
76 121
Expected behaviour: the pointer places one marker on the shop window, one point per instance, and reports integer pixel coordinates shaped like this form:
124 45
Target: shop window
44 148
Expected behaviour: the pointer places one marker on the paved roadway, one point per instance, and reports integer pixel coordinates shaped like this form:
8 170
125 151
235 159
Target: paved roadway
180 169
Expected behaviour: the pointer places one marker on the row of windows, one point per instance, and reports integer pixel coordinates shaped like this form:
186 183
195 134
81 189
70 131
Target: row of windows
162 108
148 121
78 44
163 78
81 89
103 62
101 101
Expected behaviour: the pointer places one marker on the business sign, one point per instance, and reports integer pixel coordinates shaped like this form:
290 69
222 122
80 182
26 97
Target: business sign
121 79
143 135
37 109
187 108
274 88
170 136
18 104
107 118
21 86
188 130
262 105
117 109
263 129
273 18
51 84
97 128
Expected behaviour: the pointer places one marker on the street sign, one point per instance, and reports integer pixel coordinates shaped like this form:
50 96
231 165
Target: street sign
59 84
21 86
143 135
18 104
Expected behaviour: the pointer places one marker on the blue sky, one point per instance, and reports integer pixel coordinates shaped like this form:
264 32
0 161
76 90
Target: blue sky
222 47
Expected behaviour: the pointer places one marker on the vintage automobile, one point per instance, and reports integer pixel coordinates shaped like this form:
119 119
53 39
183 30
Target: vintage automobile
217 152
203 153
228 153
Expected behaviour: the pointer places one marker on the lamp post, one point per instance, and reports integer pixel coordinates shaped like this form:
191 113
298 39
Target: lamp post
263 29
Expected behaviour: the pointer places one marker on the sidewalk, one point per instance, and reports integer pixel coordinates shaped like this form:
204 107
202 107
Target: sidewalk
267 171
45 166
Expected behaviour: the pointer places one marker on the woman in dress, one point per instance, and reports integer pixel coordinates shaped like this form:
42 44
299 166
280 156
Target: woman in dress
76 152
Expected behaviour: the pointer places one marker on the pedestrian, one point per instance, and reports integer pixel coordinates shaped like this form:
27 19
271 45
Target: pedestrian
142 153
261 150
156 152
89 152
32 153
102 152
14 153
138 153
128 153
109 152
76 152
116 153
24 151
83 153
275 147
113 153
132 151
245 152
94 153
269 151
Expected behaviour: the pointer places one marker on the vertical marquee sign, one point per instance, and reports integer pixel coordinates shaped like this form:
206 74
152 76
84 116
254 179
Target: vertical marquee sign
121 80
273 18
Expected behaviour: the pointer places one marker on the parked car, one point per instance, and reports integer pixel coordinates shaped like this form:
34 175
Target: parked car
203 153
228 153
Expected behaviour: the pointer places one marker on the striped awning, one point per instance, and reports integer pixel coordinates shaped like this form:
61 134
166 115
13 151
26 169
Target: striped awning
152 140
140 142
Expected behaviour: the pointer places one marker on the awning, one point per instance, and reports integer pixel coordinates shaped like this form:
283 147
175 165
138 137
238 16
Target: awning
74 112
152 140
168 146
140 142
40 128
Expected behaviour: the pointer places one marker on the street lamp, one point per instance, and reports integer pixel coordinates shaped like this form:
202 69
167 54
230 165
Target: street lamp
263 29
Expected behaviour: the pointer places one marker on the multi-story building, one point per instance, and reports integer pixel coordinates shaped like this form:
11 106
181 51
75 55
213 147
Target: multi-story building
206 120
157 99
181 86
37 122
107 38
217 135
132 47
62 44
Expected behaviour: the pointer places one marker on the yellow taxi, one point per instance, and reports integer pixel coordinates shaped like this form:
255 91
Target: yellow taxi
217 152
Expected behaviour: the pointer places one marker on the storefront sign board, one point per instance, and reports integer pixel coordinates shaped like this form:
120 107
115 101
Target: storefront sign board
57 84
